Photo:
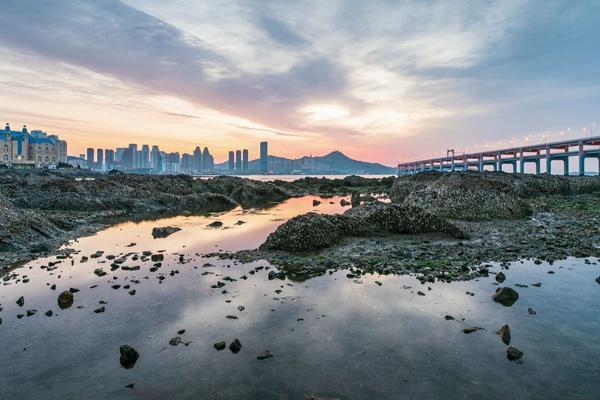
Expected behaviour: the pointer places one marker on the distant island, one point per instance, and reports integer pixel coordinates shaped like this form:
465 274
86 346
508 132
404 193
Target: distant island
333 163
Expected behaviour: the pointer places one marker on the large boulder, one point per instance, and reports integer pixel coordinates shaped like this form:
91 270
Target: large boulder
305 232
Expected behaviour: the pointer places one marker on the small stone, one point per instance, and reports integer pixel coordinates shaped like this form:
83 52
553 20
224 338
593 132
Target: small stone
420 293
130 386
378 283
65 300
472 329
231 317
215 224
99 272
598 280
181 331
73 290
132 292
500 277
505 296
449 318
538 284
53 287
157 257
219 345
175 341
512 353
241 308
48 313
163 232
235 346
129 356
315 202
100 310
264 355
21 301
531 311
504 334
31 312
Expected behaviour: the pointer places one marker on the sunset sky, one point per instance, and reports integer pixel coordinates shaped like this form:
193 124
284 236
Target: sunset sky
378 80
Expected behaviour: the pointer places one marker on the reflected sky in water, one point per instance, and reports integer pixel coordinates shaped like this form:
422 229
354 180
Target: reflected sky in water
331 336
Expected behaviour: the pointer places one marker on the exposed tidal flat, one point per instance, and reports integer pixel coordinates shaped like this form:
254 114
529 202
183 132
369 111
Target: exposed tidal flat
459 285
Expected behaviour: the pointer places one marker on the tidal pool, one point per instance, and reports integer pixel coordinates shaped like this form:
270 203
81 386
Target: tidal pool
330 336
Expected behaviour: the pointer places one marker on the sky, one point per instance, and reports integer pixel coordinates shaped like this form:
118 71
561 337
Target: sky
380 81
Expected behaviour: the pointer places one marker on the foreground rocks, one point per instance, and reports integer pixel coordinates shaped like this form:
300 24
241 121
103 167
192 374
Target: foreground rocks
129 356
314 231
163 232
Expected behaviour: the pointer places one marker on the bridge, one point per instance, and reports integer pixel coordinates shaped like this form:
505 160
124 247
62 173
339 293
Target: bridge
515 157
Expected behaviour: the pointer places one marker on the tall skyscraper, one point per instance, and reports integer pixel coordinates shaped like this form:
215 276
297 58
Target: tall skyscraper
131 164
145 157
207 160
62 151
109 159
100 158
155 159
197 159
90 157
231 163
238 160
245 160
264 157
138 159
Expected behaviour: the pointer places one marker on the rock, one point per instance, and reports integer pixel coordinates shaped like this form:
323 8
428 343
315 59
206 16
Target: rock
500 277
132 292
181 331
345 203
504 333
505 296
472 329
53 287
100 310
420 293
215 224
73 290
175 341
164 231
598 280
219 346
276 275
449 318
235 346
157 257
65 300
31 312
315 202
241 308
21 301
129 356
531 311
264 355
378 283
512 353
48 313
130 386
99 272
240 222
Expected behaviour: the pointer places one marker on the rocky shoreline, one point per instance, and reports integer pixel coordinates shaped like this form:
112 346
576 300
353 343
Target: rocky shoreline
41 210
507 218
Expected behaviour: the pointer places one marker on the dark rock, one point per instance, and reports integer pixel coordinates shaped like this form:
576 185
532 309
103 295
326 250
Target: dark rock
344 203
21 301
215 224
315 202
504 333
157 257
175 341
449 318
264 355
164 231
132 292
73 290
500 277
48 313
235 346
65 300
531 311
31 312
99 272
219 345
181 331
512 353
598 280
420 293
472 329
100 310
505 296
129 356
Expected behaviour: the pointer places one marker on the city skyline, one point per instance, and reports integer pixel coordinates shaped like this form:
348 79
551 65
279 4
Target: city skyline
424 77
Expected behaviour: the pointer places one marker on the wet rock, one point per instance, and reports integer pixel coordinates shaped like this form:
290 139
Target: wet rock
512 353
215 224
175 341
276 275
505 296
504 333
231 317
240 222
53 287
241 308
100 310
378 283
99 272
264 355
21 301
157 257
420 293
598 280
449 318
315 202
73 290
235 346
531 311
219 346
538 284
130 386
132 292
129 356
48 313
500 277
181 331
65 300
472 329
31 312
164 231
345 203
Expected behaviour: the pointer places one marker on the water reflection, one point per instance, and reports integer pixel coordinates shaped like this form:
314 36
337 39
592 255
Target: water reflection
330 336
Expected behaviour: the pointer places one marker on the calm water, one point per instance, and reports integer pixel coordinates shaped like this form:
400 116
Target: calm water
331 336
291 178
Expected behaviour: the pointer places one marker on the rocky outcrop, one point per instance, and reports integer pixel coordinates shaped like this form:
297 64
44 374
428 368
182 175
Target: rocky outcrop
475 196
312 231
164 231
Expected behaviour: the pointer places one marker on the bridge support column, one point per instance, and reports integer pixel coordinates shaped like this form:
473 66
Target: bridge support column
566 162
548 161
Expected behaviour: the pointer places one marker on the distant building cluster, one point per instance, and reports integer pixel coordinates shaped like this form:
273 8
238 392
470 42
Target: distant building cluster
35 149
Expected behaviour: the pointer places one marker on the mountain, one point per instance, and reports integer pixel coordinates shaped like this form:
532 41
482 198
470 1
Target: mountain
333 163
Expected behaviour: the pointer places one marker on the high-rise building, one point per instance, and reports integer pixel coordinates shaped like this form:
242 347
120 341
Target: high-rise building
231 163
126 159
145 157
138 159
207 160
119 153
90 157
245 160
131 164
187 163
197 159
100 158
238 160
109 159
264 157
62 151
155 159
